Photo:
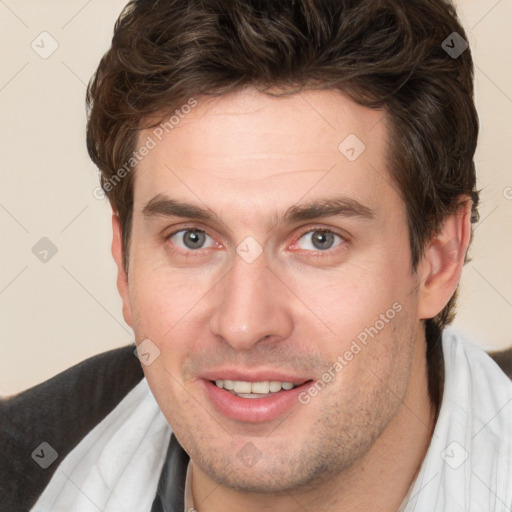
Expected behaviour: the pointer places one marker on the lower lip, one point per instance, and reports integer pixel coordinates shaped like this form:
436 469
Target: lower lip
252 410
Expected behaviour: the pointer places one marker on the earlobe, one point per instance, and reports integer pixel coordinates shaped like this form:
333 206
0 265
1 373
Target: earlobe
122 277
441 265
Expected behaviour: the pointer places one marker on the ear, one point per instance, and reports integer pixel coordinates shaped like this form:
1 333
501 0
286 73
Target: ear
122 276
441 265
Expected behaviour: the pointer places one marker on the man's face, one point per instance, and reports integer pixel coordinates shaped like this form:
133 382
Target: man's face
254 295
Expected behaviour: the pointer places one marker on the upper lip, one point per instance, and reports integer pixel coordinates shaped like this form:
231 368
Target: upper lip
260 375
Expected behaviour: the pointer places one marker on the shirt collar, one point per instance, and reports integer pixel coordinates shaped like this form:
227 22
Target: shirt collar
170 494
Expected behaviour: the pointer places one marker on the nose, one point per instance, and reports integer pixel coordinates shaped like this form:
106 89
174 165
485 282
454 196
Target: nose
253 305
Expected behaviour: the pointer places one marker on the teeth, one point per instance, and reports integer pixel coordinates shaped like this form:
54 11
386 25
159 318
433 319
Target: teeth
260 387
275 386
244 388
228 384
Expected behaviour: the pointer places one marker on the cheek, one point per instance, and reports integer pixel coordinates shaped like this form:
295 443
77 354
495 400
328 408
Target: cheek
168 308
374 370
353 298
160 297
152 308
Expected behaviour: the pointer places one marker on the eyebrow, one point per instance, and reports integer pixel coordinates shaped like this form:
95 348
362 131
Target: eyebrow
163 206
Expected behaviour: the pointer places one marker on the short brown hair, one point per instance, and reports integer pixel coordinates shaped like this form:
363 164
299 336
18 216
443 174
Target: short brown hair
385 54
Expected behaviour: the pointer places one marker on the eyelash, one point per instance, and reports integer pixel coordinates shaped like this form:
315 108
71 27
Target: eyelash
315 254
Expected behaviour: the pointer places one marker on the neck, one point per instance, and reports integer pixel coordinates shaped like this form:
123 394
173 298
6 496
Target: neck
378 482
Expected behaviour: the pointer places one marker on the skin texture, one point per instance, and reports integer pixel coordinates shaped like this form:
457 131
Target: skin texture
358 444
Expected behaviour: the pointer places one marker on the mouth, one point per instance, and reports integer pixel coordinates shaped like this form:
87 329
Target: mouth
246 389
254 401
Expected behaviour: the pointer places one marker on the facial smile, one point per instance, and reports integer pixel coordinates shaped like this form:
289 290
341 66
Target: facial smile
247 389
255 399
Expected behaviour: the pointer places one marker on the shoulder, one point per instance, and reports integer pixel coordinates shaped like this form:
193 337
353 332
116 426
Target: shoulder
504 360
461 352
60 412
474 376
469 459
476 413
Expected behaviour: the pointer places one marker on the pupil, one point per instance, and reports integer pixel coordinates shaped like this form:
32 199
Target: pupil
193 239
320 238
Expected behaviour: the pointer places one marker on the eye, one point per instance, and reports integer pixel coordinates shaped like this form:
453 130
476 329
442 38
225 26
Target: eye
190 239
319 240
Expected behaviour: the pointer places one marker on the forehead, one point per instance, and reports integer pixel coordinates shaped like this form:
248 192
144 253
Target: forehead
248 148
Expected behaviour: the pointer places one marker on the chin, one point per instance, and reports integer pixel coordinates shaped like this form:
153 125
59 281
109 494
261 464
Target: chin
271 470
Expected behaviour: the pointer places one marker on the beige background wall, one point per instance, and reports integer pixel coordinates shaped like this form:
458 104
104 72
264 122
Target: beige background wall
54 314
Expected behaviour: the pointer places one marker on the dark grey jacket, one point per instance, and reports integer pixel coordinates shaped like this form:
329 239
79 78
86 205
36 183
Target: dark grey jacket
61 412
